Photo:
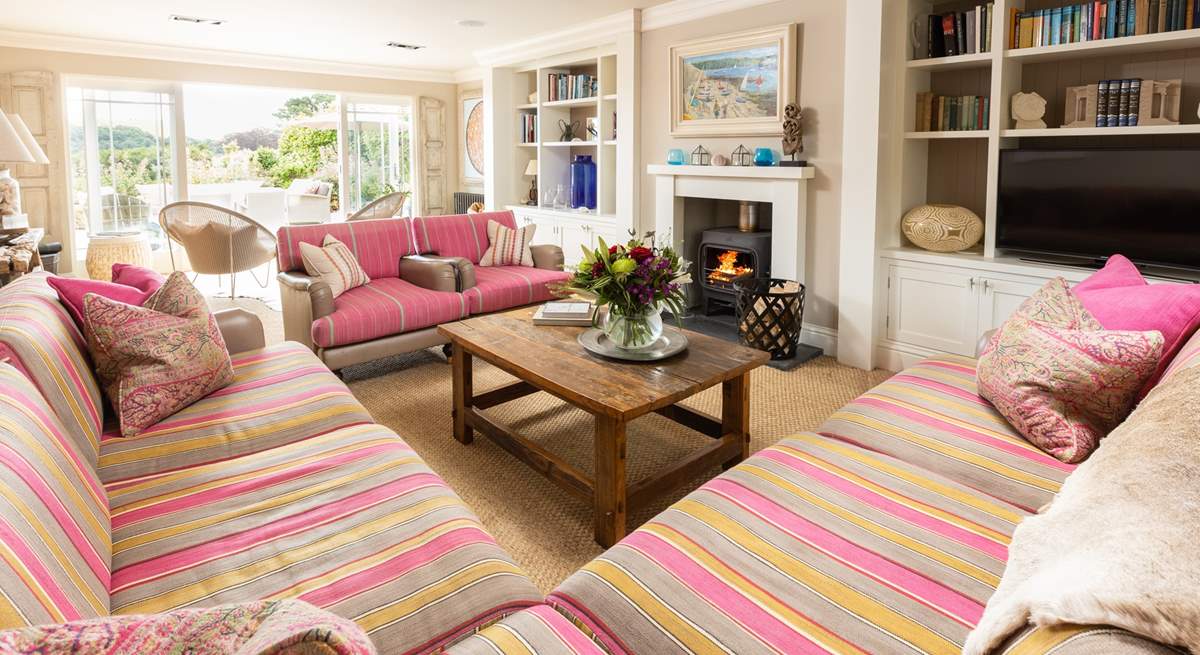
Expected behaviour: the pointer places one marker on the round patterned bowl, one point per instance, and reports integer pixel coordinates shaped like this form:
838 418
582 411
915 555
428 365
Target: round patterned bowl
942 228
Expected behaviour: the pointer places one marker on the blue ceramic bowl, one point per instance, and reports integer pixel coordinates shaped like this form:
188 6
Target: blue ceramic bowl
764 157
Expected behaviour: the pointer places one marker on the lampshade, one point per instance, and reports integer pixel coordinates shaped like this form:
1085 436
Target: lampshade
531 169
39 155
12 147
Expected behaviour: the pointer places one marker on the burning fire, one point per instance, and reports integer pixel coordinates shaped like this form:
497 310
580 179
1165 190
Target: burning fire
728 270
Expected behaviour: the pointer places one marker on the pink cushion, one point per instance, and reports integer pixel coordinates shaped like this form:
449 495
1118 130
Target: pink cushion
377 245
71 291
1059 378
504 287
384 307
138 277
1121 299
458 235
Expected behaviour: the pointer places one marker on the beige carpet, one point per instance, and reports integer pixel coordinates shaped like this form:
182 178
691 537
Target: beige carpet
547 531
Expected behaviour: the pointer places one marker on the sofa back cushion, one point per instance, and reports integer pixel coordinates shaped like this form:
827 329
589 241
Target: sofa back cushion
1188 356
458 235
43 342
55 535
378 245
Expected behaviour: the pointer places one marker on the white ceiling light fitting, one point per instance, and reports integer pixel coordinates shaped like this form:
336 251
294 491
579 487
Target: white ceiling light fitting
471 22
404 46
196 20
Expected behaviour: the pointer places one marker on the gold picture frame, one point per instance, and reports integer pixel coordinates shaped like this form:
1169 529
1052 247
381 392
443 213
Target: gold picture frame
733 84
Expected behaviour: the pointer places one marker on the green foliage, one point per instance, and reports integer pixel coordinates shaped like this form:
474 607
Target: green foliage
119 137
305 106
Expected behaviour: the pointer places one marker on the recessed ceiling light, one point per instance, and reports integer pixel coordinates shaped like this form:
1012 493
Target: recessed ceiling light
196 20
471 22
404 46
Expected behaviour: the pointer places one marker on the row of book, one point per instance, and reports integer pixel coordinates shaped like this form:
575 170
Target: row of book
1101 19
564 86
528 128
937 113
1117 102
960 33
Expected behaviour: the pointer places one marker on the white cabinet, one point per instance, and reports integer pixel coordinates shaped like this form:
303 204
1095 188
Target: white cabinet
1000 297
568 232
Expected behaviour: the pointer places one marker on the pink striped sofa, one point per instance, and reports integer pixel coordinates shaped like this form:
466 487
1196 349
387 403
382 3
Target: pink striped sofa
423 273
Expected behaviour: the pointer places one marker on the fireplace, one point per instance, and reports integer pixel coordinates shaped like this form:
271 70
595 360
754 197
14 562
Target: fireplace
725 255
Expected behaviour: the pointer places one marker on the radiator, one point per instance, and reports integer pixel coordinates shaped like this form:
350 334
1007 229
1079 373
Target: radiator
462 200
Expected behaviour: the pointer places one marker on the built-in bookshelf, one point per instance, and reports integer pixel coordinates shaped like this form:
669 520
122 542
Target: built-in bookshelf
961 167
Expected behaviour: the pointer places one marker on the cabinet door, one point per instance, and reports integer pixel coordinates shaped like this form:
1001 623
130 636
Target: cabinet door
610 235
999 298
574 239
932 307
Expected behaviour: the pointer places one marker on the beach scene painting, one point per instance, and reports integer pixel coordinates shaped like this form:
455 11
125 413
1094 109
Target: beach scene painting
733 84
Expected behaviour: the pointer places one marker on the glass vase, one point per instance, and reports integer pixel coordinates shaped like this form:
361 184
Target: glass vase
10 194
583 182
637 330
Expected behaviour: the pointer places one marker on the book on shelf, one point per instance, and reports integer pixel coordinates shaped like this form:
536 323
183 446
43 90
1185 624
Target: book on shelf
1100 19
569 312
958 33
937 113
569 86
1118 102
528 128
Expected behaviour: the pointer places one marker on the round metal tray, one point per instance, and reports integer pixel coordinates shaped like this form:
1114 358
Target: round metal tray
672 342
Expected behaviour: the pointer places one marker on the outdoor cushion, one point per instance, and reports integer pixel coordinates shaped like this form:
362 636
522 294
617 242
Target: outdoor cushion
279 395
44 343
458 235
540 629
378 245
54 529
384 307
502 287
351 521
932 415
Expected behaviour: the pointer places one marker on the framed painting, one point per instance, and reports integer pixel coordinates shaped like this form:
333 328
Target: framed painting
472 139
733 84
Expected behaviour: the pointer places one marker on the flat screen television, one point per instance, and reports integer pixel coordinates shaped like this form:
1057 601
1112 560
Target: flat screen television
1082 205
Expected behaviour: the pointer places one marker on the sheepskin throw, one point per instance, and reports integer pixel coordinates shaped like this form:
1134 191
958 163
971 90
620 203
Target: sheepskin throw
1117 546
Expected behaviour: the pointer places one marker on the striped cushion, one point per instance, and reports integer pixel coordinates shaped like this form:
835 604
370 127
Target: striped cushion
385 307
377 245
334 264
47 346
459 235
931 415
503 287
1076 640
280 394
352 521
541 630
508 247
55 551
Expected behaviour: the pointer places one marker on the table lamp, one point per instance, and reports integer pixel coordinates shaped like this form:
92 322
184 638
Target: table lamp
17 146
531 171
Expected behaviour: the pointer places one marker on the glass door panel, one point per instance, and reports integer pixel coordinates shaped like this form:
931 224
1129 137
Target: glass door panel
378 152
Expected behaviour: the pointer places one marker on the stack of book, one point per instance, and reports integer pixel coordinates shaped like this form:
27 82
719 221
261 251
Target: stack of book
528 128
1101 19
952 113
567 312
565 86
1117 102
960 33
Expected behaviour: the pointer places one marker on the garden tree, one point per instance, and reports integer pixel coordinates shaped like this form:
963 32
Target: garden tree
259 137
304 106
119 137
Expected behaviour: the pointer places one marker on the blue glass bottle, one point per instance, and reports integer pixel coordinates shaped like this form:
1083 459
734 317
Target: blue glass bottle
583 182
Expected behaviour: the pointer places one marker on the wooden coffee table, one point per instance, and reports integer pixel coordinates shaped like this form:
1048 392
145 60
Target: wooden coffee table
550 359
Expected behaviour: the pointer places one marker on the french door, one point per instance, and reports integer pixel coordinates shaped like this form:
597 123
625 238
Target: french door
377 141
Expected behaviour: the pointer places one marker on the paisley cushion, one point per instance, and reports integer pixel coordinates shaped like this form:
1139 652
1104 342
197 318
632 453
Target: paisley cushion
158 358
1059 378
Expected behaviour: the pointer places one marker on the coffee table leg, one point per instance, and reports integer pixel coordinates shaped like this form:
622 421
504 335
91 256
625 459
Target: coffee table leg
609 487
735 414
460 361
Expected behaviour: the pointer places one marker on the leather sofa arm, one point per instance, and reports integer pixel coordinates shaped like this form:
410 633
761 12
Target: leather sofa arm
984 339
547 256
304 299
241 330
430 273
462 267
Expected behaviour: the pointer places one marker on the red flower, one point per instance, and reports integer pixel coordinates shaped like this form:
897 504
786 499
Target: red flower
641 254
597 269
612 250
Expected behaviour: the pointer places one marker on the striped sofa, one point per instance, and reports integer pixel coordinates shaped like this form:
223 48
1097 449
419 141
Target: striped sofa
423 273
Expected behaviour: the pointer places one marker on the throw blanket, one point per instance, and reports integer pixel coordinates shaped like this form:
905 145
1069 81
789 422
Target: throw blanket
1118 546
287 627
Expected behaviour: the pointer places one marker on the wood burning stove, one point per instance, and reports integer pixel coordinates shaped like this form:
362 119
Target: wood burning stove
727 254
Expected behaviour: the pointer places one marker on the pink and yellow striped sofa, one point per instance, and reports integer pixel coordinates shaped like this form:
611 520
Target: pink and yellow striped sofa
423 273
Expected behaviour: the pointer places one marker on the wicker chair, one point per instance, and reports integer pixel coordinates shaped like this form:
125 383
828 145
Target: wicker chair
385 206
218 241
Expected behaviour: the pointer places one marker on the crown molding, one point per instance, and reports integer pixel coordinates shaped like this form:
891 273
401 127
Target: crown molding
684 11
578 36
465 75
85 45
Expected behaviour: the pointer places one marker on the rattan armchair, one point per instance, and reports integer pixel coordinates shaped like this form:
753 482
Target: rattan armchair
385 206
218 241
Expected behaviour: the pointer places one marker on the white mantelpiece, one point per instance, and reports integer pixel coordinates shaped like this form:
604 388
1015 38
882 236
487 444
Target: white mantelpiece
786 188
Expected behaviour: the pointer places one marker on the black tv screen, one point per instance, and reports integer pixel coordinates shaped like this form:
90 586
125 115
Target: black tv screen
1092 203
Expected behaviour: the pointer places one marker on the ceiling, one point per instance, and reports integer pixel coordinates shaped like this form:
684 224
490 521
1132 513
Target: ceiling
345 31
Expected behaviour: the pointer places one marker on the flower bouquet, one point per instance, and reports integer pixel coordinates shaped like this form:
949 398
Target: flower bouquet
636 281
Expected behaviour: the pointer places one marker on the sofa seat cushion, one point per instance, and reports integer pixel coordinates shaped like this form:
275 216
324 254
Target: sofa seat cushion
504 287
384 307
352 521
932 415
279 394
540 629
813 545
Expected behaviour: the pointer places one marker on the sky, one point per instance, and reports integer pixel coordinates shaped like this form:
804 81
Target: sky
213 110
